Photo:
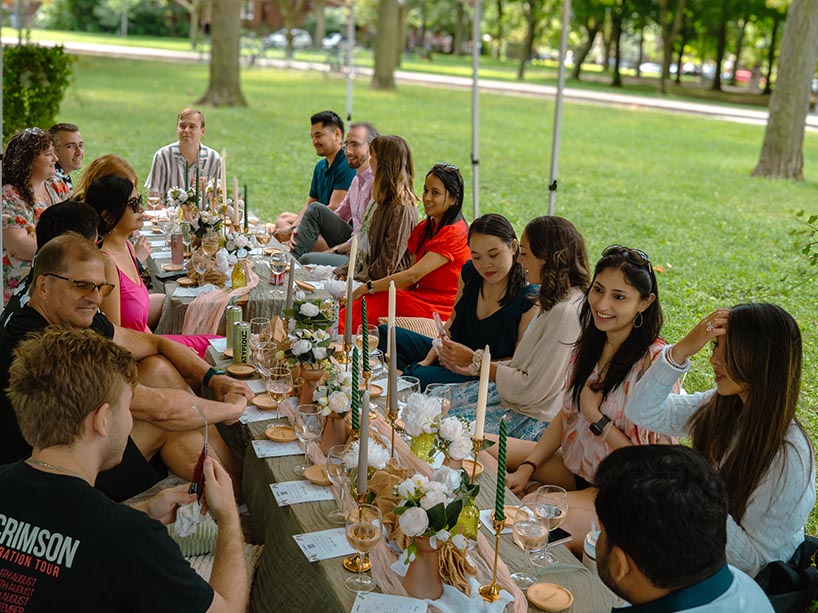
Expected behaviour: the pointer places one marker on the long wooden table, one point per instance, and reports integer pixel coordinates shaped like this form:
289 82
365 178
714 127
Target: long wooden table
286 581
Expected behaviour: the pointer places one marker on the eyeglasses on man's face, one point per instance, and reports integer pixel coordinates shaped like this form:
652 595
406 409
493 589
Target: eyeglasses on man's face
86 287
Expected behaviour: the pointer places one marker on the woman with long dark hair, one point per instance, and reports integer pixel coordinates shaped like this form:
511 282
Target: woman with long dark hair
527 391
619 338
746 427
30 186
438 248
493 307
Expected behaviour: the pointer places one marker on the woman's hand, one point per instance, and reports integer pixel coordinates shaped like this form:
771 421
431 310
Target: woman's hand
706 330
453 355
518 480
142 248
589 403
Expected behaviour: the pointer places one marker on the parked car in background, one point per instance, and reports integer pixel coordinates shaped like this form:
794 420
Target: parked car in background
278 39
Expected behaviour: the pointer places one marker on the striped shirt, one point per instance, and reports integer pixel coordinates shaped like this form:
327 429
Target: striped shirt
169 166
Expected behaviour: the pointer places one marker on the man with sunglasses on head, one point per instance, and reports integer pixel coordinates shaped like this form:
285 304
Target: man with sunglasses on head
331 176
66 290
69 148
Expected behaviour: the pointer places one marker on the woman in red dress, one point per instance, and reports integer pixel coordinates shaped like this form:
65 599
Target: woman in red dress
438 247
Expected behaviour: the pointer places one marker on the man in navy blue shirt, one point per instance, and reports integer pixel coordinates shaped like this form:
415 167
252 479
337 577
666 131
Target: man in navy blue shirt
331 176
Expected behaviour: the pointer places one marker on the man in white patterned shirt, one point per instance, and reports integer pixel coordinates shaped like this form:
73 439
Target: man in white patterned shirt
175 165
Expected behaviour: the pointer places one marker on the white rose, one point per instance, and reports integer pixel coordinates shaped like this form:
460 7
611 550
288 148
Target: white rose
299 295
232 259
308 309
439 538
241 241
300 347
459 449
406 490
432 498
338 401
413 521
319 352
448 477
378 456
451 428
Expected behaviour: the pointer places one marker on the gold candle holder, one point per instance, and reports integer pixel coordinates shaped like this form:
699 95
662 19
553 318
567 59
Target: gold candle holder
491 592
344 357
357 563
478 446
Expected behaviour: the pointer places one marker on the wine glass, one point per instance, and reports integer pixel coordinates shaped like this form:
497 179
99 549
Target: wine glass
199 260
309 424
443 392
278 264
554 501
278 383
339 476
406 387
261 234
529 533
187 235
373 337
363 531
376 364
210 243
154 200
261 335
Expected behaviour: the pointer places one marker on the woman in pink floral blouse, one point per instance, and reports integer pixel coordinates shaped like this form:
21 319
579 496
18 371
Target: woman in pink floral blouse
29 187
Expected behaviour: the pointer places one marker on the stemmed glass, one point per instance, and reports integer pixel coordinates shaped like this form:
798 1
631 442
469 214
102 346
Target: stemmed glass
210 243
278 264
187 235
529 533
373 337
554 501
406 387
199 261
443 392
154 200
278 383
309 424
339 476
363 531
261 234
261 335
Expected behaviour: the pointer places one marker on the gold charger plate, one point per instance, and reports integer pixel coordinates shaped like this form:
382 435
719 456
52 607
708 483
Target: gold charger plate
550 597
241 371
185 282
510 512
317 474
264 402
374 391
270 250
172 267
468 465
307 287
228 353
280 434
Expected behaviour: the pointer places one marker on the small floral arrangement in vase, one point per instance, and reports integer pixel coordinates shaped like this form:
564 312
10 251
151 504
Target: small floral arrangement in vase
430 433
335 395
179 196
377 458
308 341
238 244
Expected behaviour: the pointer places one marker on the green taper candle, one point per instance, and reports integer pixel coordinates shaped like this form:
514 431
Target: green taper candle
364 335
500 499
356 394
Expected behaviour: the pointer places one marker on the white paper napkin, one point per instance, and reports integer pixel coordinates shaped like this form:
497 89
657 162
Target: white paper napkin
192 292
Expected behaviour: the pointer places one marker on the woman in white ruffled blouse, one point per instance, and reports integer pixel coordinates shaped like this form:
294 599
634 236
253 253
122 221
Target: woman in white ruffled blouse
746 427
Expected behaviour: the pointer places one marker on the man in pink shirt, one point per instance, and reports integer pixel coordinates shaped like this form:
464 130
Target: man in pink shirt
337 227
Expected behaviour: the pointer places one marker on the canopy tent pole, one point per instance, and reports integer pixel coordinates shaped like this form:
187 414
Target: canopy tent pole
350 45
475 110
555 143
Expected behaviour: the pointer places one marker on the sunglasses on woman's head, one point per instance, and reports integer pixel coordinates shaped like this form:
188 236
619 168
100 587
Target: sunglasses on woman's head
637 257
447 167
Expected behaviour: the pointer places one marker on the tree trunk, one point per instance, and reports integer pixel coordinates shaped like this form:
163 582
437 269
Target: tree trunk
739 44
680 61
768 86
528 45
669 33
320 23
498 47
459 27
641 57
721 47
386 42
225 81
403 14
123 24
579 57
782 151
616 36
607 41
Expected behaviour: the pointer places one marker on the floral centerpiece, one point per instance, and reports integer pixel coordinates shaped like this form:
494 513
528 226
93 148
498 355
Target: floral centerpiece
308 339
430 433
335 395
179 196
203 222
237 243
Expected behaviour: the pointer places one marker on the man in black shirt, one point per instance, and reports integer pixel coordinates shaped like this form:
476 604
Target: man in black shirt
65 546
66 290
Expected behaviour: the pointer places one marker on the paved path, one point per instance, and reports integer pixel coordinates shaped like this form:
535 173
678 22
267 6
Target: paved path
737 114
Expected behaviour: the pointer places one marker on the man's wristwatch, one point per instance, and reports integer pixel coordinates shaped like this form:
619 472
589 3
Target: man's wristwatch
209 375
599 427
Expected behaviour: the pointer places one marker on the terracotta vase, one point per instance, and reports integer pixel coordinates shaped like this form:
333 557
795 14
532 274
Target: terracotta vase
310 379
453 464
335 432
423 578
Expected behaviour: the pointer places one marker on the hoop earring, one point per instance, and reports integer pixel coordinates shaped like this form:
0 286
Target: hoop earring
641 319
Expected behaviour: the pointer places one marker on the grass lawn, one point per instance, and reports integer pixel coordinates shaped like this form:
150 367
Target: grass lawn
678 187
539 72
